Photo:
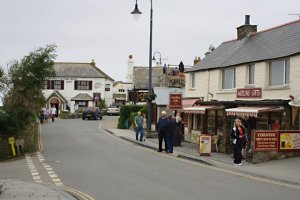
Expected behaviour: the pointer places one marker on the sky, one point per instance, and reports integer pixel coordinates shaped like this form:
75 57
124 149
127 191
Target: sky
106 31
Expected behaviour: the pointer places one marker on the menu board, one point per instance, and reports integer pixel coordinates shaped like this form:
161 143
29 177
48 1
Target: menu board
266 141
205 144
289 140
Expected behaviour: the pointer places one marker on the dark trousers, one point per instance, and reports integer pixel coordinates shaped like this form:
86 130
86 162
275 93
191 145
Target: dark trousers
53 117
162 136
170 142
237 154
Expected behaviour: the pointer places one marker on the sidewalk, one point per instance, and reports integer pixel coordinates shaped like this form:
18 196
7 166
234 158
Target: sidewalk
19 190
287 170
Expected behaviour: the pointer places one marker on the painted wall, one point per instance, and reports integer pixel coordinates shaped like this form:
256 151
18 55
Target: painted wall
211 82
97 87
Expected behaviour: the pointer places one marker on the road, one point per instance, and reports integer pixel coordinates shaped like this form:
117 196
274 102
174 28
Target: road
85 157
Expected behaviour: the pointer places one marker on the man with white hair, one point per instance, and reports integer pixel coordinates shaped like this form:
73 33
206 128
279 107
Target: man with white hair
162 126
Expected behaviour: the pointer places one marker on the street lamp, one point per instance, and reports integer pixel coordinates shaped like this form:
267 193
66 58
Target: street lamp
159 57
136 13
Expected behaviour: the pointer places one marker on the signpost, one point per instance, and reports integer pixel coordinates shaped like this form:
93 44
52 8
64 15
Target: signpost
289 140
266 141
175 101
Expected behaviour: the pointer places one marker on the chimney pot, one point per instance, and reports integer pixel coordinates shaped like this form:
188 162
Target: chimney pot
247 19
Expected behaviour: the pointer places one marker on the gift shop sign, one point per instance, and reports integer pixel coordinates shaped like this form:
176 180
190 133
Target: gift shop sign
266 141
249 93
175 101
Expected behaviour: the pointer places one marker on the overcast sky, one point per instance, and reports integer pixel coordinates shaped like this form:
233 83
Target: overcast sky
106 31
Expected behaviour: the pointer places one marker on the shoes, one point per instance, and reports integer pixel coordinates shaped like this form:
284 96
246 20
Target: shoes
238 164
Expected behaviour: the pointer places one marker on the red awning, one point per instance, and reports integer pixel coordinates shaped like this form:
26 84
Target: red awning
199 109
188 102
249 111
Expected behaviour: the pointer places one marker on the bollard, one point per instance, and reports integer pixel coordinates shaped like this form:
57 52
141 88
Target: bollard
11 141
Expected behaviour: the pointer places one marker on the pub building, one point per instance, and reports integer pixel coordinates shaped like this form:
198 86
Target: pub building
252 77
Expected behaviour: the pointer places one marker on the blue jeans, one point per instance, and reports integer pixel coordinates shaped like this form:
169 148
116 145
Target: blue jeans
140 130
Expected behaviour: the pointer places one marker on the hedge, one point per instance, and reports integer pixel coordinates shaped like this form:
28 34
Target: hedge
125 115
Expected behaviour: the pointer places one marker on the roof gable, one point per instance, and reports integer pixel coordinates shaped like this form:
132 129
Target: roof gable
278 42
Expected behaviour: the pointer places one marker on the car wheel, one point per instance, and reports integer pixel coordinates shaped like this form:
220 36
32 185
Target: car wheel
100 117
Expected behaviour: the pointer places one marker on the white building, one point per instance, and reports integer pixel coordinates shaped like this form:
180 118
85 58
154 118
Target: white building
120 92
77 83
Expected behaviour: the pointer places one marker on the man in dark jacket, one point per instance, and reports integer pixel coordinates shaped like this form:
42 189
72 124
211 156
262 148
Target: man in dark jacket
162 126
171 128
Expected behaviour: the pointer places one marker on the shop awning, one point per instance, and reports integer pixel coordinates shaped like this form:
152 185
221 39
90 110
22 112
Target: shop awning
200 109
249 111
188 102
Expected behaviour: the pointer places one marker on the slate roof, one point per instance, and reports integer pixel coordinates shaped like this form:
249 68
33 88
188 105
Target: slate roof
80 70
277 42
82 97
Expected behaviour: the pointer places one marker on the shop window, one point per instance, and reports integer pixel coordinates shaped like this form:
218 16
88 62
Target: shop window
228 78
279 73
82 104
199 122
83 85
251 70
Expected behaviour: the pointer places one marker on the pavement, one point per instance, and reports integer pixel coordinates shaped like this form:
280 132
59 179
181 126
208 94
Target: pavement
284 170
20 190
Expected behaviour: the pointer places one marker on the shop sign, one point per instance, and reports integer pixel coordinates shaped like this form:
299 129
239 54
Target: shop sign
175 101
289 140
266 141
205 144
249 93
54 101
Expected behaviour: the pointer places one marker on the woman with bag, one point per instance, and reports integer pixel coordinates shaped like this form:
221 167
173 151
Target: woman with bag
237 135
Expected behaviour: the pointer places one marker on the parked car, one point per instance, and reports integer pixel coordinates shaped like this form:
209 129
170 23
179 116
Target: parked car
91 113
113 110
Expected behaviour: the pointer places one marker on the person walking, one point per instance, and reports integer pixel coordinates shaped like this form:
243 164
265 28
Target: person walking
145 126
162 126
53 113
244 139
171 129
237 135
139 130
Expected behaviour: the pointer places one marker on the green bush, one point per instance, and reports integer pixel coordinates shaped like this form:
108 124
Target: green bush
125 114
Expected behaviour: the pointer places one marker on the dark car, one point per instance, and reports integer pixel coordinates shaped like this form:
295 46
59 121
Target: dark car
91 113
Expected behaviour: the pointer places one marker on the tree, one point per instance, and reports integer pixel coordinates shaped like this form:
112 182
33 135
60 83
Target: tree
24 97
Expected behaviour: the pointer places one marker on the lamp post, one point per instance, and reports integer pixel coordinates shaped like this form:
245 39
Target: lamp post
136 13
159 57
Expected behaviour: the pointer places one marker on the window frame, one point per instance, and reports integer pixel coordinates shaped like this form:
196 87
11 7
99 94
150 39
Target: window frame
223 78
251 73
285 75
193 80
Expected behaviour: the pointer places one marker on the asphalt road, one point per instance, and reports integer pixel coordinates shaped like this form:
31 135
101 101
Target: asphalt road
87 158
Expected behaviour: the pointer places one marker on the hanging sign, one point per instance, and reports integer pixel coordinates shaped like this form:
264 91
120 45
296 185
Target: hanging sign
175 101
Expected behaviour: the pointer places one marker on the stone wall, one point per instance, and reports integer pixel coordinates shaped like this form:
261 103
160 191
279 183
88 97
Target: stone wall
29 136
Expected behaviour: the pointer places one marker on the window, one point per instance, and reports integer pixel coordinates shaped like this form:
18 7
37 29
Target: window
193 80
251 70
121 90
83 85
107 87
228 78
54 84
82 103
279 73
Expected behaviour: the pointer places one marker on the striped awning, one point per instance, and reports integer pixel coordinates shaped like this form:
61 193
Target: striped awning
249 111
199 109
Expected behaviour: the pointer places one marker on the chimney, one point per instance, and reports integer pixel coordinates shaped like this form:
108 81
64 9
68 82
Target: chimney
246 29
130 65
93 63
197 60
